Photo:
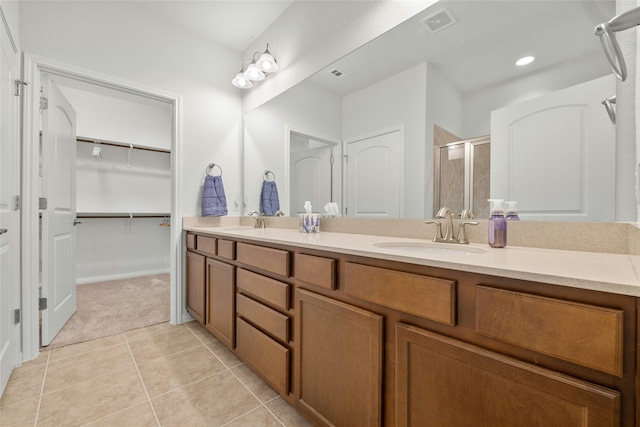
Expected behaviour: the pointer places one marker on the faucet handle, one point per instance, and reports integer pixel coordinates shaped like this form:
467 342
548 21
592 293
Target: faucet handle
462 232
438 234
466 213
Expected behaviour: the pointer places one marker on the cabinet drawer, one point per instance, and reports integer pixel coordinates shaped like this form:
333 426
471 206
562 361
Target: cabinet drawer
206 244
263 317
428 297
265 355
191 241
587 335
268 290
226 249
316 271
273 260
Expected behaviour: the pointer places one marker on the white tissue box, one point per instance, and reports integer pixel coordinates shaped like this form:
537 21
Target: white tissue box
309 223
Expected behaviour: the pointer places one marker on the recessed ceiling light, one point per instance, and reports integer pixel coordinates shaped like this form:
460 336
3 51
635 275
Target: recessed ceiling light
525 60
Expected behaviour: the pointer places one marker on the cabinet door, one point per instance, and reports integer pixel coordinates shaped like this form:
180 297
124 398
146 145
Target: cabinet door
338 361
444 382
195 286
221 301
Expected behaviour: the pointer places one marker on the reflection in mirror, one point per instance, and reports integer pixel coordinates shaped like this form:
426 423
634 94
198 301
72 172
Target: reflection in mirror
397 91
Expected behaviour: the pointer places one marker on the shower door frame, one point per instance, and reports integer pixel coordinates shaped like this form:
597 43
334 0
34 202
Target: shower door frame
469 153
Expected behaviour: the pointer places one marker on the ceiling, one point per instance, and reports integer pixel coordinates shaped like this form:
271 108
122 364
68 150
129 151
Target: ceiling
234 24
481 47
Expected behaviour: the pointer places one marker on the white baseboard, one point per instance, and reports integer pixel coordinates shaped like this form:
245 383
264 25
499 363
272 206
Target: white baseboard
95 279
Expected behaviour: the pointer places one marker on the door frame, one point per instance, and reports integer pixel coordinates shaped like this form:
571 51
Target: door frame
337 175
32 67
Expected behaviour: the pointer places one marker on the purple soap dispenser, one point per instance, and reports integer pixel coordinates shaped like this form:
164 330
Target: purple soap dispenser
497 225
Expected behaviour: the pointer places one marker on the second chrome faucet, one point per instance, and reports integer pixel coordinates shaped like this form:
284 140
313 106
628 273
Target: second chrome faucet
448 235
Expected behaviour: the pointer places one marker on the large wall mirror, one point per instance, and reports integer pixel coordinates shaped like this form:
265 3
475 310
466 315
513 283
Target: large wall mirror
435 112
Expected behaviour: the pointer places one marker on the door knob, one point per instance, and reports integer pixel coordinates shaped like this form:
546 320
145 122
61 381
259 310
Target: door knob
3 230
76 222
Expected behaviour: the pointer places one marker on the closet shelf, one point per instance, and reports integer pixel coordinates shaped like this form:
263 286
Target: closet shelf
120 144
121 215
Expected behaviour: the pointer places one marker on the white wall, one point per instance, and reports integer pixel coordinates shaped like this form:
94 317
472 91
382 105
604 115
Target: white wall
11 12
307 109
389 103
115 116
120 40
478 104
444 108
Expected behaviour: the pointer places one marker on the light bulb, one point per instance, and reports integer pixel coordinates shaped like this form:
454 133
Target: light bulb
254 73
241 82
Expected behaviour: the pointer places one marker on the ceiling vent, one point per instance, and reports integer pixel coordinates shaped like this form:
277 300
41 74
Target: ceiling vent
438 21
337 73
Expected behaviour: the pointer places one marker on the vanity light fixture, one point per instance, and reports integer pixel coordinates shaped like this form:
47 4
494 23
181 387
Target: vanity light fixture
525 60
256 71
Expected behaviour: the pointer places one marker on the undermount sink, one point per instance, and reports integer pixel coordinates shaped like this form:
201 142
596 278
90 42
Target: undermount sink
417 248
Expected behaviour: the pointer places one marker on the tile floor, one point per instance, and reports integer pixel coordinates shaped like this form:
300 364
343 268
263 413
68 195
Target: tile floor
162 375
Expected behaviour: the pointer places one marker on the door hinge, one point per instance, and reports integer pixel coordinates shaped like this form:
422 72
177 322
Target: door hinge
346 159
17 203
16 316
42 203
19 84
42 304
44 103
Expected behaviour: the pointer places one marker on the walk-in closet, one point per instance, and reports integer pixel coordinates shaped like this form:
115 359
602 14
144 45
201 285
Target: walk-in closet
123 205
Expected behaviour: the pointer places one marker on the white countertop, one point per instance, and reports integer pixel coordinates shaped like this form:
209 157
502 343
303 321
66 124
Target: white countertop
585 270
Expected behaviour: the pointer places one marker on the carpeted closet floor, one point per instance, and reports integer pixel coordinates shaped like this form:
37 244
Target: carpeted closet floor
113 307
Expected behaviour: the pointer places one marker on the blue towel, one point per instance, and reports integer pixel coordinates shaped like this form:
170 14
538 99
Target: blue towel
269 203
214 202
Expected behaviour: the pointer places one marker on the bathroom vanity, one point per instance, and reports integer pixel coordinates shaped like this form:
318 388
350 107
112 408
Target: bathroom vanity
364 330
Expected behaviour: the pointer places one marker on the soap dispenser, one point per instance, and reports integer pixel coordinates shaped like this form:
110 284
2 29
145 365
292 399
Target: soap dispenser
512 211
497 225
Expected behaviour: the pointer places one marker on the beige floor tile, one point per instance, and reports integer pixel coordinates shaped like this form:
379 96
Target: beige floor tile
258 417
19 414
167 373
261 389
224 354
152 331
201 332
287 414
153 347
85 347
213 401
176 340
139 416
24 383
91 400
43 356
77 369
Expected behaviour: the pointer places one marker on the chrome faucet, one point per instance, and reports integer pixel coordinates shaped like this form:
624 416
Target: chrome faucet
259 220
461 235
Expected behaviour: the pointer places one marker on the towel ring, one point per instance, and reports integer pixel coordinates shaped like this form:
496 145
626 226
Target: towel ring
210 168
266 175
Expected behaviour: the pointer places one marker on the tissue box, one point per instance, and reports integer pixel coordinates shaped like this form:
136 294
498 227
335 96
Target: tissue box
309 223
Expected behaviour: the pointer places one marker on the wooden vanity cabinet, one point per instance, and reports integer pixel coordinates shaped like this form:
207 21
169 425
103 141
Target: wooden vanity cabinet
350 340
338 362
220 307
446 382
195 286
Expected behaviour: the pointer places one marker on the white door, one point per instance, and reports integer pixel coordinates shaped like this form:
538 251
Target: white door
311 178
9 215
374 176
563 142
58 230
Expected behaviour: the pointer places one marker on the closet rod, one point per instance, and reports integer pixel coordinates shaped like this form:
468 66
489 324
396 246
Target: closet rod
121 144
124 216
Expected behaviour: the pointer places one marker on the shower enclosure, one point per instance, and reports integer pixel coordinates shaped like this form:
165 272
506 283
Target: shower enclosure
461 176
